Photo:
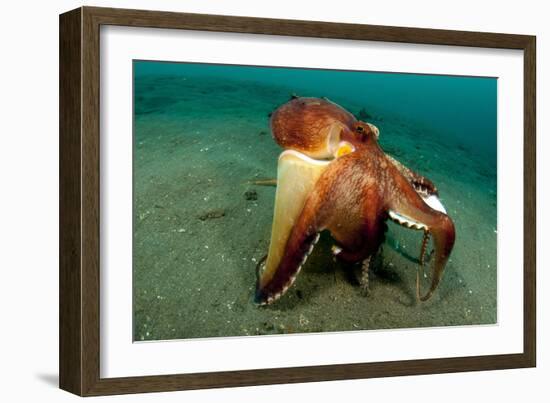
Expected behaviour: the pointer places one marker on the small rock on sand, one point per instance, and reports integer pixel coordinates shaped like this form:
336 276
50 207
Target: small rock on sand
212 214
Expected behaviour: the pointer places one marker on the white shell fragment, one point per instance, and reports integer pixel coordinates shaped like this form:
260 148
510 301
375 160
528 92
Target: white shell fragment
434 202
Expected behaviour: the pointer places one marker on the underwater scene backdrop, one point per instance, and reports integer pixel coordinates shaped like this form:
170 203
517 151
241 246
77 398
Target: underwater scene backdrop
202 218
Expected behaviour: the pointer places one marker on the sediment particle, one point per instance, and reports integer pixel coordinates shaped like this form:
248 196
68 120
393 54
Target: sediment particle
212 214
251 195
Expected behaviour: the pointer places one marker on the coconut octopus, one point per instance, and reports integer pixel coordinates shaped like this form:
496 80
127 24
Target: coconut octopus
333 175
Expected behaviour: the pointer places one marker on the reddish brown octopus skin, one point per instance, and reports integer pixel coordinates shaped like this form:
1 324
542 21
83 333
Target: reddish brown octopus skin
306 125
352 200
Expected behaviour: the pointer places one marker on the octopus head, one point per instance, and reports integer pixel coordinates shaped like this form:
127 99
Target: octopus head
359 135
363 132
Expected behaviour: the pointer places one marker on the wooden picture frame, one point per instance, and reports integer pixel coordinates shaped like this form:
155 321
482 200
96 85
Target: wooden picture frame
79 346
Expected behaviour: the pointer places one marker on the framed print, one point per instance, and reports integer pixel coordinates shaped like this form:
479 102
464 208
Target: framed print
249 201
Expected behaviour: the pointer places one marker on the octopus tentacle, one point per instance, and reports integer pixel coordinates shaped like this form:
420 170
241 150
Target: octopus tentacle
364 280
408 207
421 184
303 237
423 247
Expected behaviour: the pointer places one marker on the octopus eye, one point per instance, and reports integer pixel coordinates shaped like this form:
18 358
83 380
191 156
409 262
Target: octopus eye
359 129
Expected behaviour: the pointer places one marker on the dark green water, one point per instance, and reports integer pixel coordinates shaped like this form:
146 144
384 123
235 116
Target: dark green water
461 108
201 134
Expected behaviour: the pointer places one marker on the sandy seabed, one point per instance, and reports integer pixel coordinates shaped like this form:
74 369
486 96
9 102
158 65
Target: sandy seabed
200 226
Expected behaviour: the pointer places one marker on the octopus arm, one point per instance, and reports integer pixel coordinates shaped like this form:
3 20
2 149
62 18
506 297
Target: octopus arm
296 178
421 184
408 209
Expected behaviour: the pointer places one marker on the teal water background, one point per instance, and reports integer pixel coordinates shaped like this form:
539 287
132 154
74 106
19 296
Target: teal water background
461 108
201 223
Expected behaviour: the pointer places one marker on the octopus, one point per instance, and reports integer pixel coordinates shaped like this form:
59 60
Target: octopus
333 175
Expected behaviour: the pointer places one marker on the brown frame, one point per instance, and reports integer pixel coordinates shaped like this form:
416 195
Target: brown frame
79 201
